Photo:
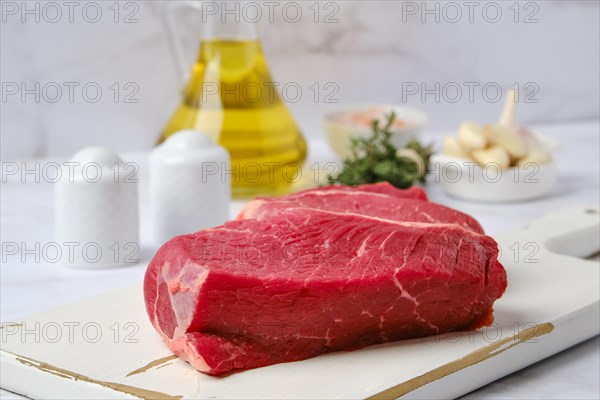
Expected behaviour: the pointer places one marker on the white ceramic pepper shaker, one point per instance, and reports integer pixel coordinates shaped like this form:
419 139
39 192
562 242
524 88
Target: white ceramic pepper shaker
190 185
96 210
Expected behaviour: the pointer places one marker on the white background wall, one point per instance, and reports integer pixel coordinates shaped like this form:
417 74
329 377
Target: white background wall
373 51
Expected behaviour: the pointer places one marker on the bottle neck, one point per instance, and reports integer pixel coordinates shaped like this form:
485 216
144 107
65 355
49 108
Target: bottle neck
228 22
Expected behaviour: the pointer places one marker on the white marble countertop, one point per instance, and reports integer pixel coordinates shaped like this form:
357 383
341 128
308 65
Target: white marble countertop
30 287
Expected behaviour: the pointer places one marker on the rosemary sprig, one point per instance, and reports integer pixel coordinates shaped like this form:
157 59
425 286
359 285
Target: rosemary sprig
376 159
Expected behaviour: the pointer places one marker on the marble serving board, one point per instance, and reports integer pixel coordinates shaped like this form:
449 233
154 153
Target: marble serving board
104 347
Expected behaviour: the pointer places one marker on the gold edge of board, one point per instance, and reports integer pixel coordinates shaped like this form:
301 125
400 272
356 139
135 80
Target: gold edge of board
470 359
66 374
156 363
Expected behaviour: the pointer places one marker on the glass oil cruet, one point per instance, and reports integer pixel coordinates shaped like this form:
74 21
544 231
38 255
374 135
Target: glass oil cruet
230 95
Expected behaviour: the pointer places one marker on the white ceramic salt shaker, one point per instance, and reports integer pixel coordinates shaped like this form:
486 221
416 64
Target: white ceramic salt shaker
190 185
96 210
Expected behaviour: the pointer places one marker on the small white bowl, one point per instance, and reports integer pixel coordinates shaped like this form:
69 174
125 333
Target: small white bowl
339 132
467 180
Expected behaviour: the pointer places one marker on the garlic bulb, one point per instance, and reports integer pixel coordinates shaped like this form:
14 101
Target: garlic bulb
504 143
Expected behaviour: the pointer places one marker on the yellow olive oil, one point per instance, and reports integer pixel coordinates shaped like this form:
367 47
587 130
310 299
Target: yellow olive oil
231 97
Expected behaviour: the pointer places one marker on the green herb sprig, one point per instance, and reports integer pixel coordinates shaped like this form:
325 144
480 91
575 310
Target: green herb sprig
376 159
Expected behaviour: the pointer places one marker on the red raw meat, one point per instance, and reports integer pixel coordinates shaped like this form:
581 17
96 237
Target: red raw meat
414 192
374 204
305 282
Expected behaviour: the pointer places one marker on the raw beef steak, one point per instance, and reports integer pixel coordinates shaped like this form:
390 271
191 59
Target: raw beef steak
367 203
306 282
414 192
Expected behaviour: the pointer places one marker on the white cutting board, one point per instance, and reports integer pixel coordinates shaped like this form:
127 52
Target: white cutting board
552 302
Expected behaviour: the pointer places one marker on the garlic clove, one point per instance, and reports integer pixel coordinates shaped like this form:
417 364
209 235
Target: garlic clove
507 138
452 147
493 155
412 155
470 136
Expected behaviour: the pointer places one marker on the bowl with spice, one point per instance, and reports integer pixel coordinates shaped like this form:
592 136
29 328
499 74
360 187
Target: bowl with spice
344 124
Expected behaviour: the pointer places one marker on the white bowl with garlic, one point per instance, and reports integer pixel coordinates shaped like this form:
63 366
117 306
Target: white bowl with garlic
497 163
